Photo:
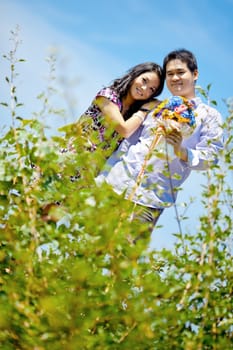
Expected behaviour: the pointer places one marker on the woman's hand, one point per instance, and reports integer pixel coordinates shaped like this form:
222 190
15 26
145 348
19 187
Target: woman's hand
151 105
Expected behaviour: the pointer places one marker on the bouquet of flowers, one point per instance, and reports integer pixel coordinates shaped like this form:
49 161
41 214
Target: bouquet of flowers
174 113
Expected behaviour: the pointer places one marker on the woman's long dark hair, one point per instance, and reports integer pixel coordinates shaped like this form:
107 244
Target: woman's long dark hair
123 84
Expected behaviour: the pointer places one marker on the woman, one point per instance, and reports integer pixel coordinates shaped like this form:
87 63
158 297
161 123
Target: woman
116 112
122 106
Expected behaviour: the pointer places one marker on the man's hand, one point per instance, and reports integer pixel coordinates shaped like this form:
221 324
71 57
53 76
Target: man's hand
175 139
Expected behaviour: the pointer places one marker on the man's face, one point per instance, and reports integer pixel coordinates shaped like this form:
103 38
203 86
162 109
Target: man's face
180 80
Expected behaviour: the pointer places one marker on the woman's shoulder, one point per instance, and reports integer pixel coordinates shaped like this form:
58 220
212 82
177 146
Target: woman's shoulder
110 94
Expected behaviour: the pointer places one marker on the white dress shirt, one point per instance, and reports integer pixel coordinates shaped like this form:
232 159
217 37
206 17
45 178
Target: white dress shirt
162 179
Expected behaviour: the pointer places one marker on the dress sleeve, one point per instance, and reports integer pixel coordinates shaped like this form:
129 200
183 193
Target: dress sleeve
111 95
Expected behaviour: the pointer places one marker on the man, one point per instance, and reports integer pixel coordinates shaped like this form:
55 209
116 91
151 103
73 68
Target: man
162 178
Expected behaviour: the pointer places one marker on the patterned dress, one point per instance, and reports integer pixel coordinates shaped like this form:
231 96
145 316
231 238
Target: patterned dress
92 122
96 137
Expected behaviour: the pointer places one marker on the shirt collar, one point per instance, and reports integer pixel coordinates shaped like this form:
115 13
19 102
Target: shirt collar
196 100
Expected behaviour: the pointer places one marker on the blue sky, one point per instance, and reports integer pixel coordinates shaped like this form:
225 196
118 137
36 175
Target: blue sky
97 41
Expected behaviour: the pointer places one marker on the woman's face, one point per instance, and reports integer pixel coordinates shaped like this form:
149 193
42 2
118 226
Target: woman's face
180 80
144 86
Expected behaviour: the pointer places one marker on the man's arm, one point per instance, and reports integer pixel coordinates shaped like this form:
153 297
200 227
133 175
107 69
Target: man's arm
209 141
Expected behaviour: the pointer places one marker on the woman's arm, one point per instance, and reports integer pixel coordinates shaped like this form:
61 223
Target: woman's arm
114 118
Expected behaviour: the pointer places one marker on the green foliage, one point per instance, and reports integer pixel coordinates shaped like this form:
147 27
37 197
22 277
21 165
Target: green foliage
71 278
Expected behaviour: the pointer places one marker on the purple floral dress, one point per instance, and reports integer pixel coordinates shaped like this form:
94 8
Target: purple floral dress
95 134
92 121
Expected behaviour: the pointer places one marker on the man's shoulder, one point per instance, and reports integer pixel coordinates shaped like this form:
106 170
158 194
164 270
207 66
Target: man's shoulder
206 110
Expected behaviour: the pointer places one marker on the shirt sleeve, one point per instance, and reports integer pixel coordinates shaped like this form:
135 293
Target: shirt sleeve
206 151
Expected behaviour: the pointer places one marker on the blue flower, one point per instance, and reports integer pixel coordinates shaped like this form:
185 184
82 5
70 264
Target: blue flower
177 108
